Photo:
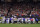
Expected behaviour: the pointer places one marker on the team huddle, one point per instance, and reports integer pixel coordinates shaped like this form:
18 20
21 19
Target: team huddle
17 20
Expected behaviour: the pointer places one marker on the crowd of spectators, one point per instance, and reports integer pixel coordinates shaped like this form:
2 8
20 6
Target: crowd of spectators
20 10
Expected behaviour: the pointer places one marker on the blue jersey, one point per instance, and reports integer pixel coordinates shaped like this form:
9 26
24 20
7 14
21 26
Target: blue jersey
10 18
23 19
36 19
30 18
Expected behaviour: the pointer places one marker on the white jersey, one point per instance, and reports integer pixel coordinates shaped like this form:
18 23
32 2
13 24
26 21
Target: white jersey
25 19
15 19
3 18
19 19
28 19
11 18
14 16
33 19
22 19
7 21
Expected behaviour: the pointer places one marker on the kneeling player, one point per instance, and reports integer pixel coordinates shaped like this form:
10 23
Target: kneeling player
18 20
15 20
29 21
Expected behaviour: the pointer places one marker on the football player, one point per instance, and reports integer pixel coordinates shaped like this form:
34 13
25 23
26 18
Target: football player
7 20
3 19
12 20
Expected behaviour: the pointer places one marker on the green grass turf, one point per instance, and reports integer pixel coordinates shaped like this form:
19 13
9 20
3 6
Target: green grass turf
19 25
38 21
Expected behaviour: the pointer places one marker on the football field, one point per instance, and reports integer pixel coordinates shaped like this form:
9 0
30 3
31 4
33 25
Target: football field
19 25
